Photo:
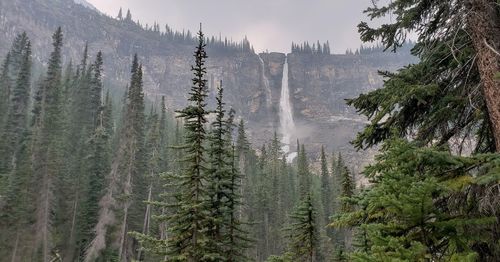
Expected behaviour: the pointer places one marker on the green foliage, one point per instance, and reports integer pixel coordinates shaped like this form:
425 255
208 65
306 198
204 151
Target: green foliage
436 100
415 209
304 232
188 238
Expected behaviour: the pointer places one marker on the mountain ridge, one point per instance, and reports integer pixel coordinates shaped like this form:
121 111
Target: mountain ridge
319 83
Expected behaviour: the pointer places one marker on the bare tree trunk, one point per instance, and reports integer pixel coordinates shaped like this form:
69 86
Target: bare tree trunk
242 181
70 254
127 191
147 216
484 28
14 251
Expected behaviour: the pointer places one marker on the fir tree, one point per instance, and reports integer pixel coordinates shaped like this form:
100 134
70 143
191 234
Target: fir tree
326 191
16 124
5 86
47 158
16 207
128 17
188 238
408 213
438 79
303 172
219 178
120 15
304 234
125 177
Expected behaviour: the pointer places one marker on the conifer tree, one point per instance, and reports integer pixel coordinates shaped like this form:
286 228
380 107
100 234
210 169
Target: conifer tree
154 157
303 172
98 168
16 186
218 179
5 86
128 17
304 234
188 224
16 110
472 28
457 47
236 237
326 188
125 176
348 187
47 158
120 15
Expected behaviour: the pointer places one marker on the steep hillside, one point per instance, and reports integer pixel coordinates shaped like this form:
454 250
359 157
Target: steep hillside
319 83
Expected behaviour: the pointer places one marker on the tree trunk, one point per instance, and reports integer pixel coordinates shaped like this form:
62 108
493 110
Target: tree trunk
14 251
147 217
484 28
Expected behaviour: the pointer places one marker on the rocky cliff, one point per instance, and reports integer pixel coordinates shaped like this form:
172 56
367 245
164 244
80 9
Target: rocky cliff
319 83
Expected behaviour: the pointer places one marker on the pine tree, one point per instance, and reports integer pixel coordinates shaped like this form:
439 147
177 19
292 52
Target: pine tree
154 157
188 238
326 188
125 177
120 15
348 187
47 158
453 63
304 234
16 124
16 206
219 177
5 86
128 17
303 172
415 210
98 168
236 238
448 113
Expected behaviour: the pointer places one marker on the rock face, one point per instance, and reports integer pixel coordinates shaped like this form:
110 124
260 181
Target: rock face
318 83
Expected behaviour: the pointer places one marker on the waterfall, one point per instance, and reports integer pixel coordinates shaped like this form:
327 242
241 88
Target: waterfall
265 81
287 124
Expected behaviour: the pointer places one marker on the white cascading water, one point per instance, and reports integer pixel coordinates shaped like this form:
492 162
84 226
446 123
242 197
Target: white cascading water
286 117
265 81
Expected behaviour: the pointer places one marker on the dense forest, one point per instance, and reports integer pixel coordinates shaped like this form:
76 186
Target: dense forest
85 176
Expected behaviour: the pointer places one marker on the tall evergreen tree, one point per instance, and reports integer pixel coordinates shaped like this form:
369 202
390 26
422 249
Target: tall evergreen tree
16 124
16 186
5 86
125 176
303 172
188 239
304 234
219 178
47 158
326 188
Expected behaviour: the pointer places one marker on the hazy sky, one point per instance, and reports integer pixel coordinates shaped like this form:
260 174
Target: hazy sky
269 24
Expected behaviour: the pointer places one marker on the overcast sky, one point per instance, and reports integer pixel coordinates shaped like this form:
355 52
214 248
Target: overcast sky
269 24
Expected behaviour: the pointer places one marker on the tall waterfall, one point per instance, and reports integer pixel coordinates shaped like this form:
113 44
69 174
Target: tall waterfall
287 124
265 81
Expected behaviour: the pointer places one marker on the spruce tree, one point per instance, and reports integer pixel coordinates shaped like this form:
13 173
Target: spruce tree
303 172
188 239
5 86
413 210
304 232
124 179
16 188
326 188
218 179
16 110
47 155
